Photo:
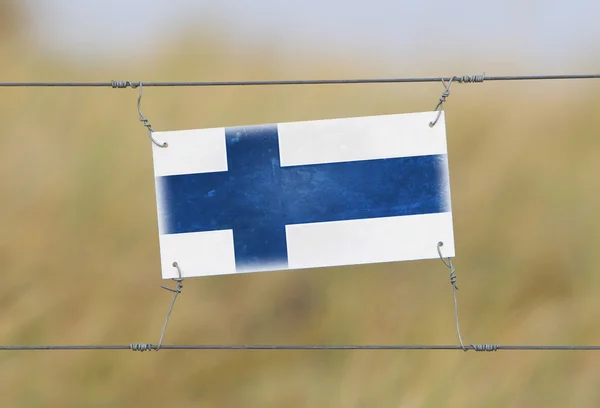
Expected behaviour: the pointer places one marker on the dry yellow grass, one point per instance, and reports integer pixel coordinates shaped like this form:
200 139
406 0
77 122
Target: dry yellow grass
79 249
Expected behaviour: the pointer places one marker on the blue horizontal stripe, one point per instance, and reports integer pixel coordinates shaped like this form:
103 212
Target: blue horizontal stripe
257 197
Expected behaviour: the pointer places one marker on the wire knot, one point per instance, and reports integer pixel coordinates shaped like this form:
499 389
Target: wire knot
443 98
484 347
468 79
439 106
124 84
141 347
177 291
449 266
146 123
179 281
453 278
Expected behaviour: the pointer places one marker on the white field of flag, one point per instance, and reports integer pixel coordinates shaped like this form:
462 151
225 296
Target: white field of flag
301 195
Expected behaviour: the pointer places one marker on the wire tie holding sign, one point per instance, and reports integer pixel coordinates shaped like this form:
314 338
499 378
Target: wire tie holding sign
465 79
476 347
176 292
146 346
125 84
454 289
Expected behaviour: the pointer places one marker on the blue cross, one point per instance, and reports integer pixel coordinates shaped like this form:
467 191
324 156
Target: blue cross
257 198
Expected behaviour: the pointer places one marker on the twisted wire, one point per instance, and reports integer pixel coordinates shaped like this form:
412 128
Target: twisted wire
466 79
125 84
176 292
454 290
141 347
145 122
475 347
443 98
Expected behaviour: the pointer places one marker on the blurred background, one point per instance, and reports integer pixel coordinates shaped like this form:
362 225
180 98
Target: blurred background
78 231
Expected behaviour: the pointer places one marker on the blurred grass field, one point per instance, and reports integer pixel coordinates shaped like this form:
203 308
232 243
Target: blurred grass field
79 246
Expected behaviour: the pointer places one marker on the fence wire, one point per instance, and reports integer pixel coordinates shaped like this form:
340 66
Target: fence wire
152 347
459 79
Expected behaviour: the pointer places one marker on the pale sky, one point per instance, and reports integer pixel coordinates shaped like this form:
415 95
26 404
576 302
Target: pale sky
549 34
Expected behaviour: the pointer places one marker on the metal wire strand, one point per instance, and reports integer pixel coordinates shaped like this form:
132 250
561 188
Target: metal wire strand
476 347
121 84
454 290
443 98
461 79
147 347
176 292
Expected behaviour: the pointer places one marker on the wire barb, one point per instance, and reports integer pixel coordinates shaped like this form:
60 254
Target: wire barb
176 292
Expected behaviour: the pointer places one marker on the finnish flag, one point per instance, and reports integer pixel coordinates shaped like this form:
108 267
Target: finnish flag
303 195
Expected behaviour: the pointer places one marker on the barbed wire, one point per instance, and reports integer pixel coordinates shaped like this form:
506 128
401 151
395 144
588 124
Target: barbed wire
459 79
